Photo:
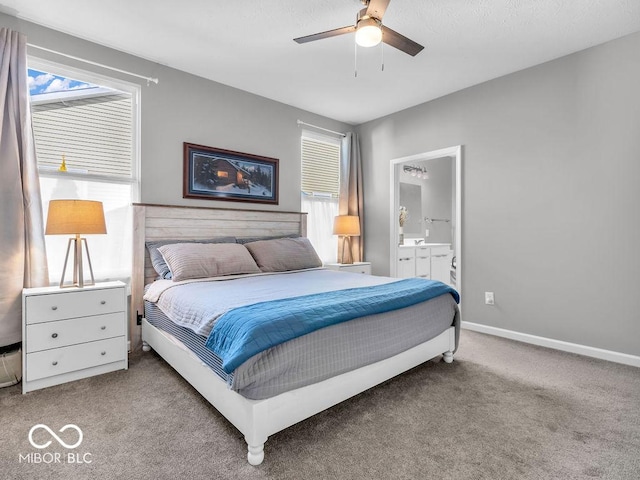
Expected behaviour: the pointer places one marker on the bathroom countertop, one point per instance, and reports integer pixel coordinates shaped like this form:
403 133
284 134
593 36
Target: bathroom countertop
406 245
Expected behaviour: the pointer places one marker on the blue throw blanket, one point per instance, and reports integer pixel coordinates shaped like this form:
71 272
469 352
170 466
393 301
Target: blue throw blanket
245 331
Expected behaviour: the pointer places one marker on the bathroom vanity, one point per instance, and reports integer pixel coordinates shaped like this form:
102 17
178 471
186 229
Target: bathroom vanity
427 260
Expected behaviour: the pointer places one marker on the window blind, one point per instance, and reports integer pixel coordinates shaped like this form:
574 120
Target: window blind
320 167
94 134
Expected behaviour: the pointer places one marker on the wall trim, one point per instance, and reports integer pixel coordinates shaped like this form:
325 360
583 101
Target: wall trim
611 356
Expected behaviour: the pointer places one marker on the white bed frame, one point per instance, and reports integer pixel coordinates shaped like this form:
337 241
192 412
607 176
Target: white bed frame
256 419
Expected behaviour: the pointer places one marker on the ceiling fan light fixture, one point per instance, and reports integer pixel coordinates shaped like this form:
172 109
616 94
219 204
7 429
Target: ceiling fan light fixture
368 32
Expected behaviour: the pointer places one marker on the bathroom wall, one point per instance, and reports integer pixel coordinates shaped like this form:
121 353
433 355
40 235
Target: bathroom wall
433 198
411 198
437 200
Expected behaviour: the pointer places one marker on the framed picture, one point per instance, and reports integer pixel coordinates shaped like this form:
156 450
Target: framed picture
217 174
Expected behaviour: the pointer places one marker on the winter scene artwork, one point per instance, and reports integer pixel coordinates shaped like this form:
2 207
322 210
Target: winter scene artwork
218 174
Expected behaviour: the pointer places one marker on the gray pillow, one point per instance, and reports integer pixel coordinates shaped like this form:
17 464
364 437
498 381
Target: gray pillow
257 239
202 260
284 254
160 266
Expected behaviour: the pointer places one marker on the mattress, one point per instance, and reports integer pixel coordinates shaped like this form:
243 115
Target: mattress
324 353
189 339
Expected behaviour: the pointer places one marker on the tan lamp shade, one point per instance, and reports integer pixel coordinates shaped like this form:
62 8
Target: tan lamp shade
346 225
75 217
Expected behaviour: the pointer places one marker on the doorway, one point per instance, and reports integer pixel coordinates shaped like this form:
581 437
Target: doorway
427 223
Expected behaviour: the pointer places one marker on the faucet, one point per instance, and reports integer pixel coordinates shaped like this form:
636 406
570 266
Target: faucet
418 242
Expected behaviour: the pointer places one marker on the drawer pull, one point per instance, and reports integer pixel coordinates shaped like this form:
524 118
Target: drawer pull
54 363
103 353
102 302
54 308
54 335
103 327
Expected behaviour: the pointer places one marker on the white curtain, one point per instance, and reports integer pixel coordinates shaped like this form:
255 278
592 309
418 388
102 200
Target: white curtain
23 262
351 192
321 212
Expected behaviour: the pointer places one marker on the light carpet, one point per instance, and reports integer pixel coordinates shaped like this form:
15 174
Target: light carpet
502 410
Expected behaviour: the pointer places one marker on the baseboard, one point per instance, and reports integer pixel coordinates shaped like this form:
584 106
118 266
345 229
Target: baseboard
600 353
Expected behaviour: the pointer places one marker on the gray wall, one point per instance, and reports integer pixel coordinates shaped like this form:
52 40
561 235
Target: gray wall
187 108
551 165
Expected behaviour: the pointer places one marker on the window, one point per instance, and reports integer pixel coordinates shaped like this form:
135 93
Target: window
85 129
320 189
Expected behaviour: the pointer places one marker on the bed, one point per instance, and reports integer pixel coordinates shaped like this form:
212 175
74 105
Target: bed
260 408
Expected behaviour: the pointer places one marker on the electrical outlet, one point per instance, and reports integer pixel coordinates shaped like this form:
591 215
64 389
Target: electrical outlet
426 233
488 298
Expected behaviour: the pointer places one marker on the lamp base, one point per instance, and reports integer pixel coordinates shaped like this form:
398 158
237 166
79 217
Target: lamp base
346 259
78 277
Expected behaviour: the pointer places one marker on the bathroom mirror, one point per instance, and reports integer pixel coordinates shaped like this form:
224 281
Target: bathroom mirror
411 199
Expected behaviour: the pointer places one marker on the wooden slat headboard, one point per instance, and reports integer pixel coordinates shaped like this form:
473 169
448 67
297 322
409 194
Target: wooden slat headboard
162 222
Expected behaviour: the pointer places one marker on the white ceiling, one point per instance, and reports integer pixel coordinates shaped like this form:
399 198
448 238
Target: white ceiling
249 44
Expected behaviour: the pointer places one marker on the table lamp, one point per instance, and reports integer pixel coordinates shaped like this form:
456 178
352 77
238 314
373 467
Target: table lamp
346 226
76 217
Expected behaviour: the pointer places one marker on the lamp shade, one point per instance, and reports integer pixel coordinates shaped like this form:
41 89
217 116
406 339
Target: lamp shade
74 217
346 225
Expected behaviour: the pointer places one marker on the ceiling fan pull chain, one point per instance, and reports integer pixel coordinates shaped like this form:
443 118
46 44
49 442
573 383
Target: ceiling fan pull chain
382 54
355 59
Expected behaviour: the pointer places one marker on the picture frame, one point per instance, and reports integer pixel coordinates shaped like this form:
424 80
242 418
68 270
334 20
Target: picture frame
218 174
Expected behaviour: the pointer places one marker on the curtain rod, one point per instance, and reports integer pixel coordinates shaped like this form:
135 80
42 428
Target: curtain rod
300 123
148 79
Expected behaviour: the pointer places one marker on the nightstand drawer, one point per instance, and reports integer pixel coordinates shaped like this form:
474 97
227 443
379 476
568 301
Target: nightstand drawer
43 336
356 267
77 357
366 269
63 305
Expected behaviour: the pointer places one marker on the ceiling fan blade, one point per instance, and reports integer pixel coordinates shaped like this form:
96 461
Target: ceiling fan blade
327 34
393 38
376 8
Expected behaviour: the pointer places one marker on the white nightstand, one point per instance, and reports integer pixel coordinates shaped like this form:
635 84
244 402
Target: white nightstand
72 333
356 267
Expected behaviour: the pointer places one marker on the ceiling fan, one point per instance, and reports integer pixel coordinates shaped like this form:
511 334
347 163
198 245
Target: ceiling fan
369 30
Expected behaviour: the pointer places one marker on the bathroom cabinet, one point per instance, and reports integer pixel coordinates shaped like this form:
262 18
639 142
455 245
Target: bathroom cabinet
431 261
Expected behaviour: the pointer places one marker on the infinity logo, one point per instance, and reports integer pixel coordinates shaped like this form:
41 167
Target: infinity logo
59 440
